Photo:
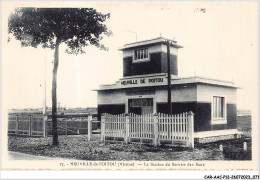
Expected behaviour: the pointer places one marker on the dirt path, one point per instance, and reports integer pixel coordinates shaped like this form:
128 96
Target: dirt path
22 156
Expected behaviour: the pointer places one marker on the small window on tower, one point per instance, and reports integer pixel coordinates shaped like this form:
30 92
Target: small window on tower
141 54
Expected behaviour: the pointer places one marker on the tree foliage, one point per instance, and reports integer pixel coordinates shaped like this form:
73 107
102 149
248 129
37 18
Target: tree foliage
49 27
76 27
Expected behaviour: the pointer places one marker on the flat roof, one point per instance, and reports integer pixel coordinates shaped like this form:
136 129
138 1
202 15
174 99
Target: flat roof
134 82
173 43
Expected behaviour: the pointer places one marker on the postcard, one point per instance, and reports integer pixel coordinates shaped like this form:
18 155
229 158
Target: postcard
132 85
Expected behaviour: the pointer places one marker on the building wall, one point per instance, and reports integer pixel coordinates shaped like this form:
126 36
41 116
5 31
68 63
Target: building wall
173 62
111 97
140 68
157 62
198 99
231 116
206 92
111 109
185 98
202 111
180 93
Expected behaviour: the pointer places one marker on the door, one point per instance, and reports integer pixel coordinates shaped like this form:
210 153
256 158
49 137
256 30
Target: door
136 110
141 106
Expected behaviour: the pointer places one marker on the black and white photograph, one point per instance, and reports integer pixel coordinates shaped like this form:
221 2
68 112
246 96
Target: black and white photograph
130 85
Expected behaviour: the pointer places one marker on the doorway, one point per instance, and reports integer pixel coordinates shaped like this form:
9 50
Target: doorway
141 106
136 110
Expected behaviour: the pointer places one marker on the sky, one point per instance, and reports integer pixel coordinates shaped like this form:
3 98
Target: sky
219 42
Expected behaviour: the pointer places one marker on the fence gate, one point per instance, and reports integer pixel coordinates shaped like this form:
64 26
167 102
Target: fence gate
175 130
141 128
114 127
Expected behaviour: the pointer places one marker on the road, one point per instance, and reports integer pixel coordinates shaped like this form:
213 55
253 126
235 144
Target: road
22 156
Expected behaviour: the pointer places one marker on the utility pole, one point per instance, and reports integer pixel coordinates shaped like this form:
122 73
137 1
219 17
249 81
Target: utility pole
44 96
169 79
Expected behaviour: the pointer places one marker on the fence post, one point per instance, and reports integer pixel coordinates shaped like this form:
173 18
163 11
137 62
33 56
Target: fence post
191 129
244 146
44 125
16 126
155 127
89 126
102 127
221 147
127 127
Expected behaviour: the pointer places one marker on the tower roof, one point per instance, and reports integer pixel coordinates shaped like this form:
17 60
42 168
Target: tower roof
159 40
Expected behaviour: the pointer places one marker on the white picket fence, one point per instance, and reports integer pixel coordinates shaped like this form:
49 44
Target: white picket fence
175 130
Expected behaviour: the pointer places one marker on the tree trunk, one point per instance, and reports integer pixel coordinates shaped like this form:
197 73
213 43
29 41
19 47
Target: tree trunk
55 141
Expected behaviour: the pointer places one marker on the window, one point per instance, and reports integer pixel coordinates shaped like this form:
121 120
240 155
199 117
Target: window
141 54
218 107
141 102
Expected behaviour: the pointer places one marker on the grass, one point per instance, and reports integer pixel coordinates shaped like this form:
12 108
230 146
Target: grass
78 147
232 149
